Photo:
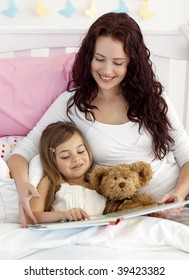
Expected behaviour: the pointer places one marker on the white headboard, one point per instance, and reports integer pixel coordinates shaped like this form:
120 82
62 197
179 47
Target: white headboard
169 49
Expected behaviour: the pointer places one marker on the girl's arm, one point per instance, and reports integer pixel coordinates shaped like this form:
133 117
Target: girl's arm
37 205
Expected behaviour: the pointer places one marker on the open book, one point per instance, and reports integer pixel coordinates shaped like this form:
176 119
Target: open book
109 219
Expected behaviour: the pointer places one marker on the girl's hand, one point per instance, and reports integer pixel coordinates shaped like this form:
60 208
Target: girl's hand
25 212
168 198
75 214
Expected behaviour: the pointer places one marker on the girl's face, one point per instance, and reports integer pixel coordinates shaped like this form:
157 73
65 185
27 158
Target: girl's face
109 63
72 158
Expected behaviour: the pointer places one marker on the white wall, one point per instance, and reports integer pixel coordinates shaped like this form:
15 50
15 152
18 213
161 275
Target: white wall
168 14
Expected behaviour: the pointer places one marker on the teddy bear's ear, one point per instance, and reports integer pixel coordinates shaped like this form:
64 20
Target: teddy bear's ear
96 176
144 171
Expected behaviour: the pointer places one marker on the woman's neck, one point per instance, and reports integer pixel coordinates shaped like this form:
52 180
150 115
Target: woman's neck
109 94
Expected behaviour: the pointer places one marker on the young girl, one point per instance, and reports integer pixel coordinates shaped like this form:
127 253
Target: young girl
63 193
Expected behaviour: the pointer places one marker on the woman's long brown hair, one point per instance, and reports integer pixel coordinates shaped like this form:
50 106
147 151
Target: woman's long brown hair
143 92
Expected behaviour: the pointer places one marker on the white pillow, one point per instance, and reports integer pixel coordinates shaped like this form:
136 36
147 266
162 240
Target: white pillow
36 172
8 196
4 170
9 212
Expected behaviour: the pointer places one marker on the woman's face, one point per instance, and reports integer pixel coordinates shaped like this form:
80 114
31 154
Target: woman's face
72 158
109 63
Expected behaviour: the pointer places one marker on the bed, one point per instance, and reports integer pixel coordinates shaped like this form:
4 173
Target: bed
36 61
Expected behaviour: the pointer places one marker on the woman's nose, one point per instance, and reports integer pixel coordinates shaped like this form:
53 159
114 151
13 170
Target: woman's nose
107 68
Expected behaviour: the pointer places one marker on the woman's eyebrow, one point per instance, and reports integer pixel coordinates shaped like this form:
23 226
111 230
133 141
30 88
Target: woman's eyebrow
117 58
99 54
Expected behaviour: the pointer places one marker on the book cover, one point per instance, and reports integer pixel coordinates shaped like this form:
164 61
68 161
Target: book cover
109 219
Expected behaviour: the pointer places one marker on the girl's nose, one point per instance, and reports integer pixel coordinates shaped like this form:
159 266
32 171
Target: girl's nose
75 159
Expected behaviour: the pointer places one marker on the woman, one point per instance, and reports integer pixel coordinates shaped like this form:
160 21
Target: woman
116 101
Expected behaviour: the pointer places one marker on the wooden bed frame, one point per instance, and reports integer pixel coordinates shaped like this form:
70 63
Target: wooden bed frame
168 49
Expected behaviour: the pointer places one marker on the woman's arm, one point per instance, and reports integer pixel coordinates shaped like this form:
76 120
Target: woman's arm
182 187
180 151
181 155
38 207
26 150
179 194
18 166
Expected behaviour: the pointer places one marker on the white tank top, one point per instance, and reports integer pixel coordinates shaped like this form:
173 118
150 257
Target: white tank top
75 196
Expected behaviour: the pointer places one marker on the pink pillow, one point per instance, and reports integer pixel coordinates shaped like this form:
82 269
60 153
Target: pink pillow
28 86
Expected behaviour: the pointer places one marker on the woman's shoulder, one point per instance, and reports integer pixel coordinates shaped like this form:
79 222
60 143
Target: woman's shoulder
66 95
58 107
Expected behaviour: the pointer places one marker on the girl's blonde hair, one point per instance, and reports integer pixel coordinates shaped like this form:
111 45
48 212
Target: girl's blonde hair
52 136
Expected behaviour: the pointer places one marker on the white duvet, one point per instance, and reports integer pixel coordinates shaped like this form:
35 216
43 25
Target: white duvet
142 237
137 238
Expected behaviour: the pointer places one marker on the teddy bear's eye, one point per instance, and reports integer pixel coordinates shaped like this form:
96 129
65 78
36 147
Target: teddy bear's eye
115 178
125 177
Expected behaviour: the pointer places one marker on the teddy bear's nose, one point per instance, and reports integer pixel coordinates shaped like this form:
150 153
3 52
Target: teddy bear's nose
122 185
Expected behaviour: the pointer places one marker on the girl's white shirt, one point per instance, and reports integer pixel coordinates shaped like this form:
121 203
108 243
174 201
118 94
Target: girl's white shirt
75 196
115 144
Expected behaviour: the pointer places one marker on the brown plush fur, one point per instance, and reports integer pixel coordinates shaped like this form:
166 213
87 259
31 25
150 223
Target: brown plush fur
121 185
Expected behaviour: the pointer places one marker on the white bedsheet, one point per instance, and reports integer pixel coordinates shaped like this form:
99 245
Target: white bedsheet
142 237
137 238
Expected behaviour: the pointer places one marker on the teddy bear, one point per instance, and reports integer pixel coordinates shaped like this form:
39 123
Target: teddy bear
121 185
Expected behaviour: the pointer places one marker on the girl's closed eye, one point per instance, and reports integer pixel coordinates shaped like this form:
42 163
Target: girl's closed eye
65 157
81 151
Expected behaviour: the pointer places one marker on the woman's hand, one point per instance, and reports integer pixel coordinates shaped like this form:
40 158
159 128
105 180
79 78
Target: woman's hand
75 214
168 198
25 194
18 166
